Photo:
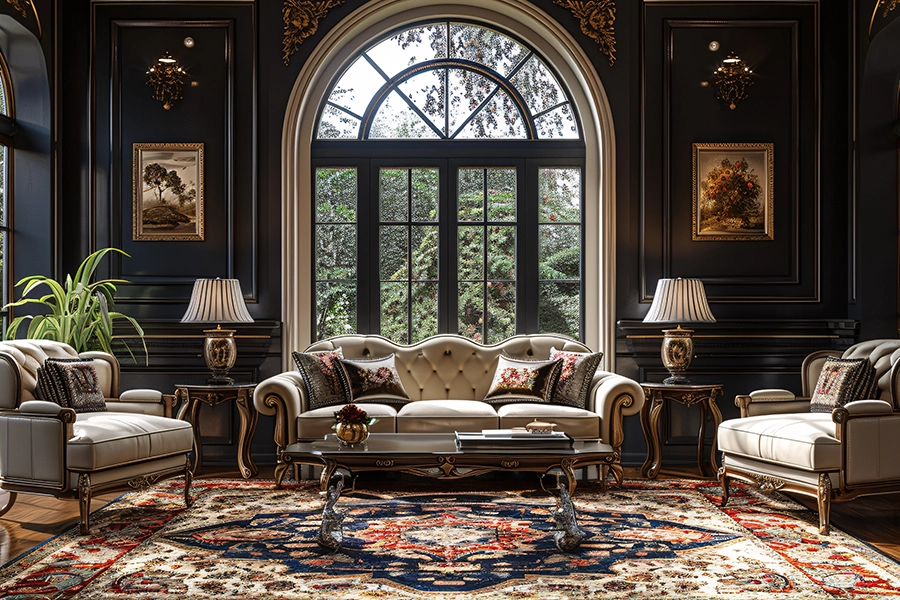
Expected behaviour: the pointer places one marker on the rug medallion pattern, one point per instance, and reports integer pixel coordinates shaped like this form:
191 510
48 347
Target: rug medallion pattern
649 539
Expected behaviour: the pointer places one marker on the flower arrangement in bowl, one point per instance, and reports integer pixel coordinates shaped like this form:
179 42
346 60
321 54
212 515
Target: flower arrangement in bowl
352 425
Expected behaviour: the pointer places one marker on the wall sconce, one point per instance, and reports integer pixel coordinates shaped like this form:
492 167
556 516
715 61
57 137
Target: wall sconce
166 77
733 79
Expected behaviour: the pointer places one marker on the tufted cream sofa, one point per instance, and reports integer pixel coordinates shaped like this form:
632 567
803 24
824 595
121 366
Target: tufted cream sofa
778 444
446 377
47 449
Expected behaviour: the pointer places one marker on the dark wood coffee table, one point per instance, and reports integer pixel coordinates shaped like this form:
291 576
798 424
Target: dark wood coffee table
436 455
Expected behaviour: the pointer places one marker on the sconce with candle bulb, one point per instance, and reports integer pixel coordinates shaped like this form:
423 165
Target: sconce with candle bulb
167 79
732 80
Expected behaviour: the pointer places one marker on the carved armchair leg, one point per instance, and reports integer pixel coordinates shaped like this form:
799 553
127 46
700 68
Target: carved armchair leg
618 474
823 496
723 479
188 478
84 502
7 499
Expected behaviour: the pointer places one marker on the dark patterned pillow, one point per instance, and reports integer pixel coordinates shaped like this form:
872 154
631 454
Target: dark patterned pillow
517 380
842 381
575 376
375 379
324 376
71 383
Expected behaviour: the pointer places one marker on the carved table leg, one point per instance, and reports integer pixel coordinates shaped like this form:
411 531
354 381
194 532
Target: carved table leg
284 463
331 537
249 417
717 420
650 423
569 535
701 439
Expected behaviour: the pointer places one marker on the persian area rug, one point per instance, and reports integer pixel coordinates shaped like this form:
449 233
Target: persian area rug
650 539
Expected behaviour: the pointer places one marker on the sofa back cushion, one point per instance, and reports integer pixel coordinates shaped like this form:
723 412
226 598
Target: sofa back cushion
883 354
448 366
28 356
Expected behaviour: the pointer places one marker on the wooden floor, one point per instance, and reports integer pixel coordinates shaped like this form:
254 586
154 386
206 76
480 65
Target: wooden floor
33 519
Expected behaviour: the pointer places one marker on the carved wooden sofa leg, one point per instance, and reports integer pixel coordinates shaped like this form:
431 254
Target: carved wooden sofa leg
823 497
84 502
188 479
723 480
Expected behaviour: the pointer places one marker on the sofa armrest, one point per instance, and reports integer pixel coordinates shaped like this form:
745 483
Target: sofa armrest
285 397
870 446
770 401
614 397
34 448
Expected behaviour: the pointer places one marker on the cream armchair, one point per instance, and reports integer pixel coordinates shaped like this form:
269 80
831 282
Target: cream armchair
777 444
47 449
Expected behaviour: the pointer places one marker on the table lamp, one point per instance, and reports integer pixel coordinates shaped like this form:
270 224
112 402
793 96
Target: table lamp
218 301
678 301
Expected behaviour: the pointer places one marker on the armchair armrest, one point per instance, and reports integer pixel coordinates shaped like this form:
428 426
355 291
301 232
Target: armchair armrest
142 401
284 396
141 396
870 442
34 452
40 407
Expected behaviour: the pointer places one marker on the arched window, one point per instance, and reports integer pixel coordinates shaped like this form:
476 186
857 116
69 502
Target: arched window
448 167
7 129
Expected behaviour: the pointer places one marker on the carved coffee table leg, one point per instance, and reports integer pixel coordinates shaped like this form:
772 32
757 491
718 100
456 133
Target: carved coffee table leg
570 535
331 537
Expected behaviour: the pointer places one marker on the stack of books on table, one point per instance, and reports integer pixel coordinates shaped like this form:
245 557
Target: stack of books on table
512 439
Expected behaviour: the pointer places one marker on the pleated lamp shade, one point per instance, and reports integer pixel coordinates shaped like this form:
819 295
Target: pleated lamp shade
217 301
679 301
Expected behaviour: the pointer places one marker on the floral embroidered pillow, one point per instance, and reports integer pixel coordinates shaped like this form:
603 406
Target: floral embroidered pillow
517 381
324 376
575 376
375 379
842 381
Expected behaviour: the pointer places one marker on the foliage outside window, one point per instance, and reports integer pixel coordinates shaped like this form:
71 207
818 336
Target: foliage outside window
473 232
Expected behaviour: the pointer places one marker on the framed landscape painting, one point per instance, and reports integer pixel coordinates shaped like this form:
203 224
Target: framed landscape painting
732 192
168 192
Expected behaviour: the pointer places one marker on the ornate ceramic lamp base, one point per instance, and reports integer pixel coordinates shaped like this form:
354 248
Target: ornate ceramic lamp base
677 352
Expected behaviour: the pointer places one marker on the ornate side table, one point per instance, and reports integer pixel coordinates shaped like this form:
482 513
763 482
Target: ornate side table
657 394
189 397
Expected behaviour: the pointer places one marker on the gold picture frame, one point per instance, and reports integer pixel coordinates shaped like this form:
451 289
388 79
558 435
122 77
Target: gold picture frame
733 187
168 192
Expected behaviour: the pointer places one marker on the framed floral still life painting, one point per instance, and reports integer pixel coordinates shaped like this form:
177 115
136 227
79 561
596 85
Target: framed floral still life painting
732 192
168 192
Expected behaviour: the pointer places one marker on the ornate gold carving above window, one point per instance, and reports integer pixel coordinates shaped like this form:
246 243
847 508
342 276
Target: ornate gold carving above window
301 20
597 19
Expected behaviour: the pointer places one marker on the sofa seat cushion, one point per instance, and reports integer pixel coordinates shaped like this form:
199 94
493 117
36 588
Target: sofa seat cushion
108 439
801 440
446 416
577 422
316 424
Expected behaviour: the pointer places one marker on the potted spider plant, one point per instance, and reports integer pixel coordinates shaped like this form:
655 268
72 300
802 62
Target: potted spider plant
78 312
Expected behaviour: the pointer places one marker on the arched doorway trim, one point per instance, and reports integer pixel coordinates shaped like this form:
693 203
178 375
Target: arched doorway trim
538 29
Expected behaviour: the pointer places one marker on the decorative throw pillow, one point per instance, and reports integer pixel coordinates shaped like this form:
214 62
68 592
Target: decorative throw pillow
842 381
324 376
575 376
517 380
376 379
71 383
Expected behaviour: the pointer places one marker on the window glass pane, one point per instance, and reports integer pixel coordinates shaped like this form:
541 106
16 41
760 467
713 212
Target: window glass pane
471 310
410 47
425 252
470 199
335 309
501 194
4 106
425 311
393 194
335 251
501 311
337 124
501 252
558 123
395 312
394 247
425 194
468 91
485 46
471 253
356 87
559 251
560 195
396 120
538 86
3 162
559 308
498 119
426 91
335 195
